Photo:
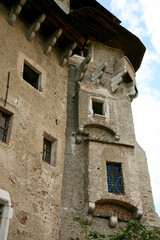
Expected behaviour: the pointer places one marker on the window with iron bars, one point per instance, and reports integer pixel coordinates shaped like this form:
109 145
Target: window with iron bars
4 122
114 178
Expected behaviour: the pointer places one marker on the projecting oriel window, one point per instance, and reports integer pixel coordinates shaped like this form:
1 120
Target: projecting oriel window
114 178
31 75
4 122
49 150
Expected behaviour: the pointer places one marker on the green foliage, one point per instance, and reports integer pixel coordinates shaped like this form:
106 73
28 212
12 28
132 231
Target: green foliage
87 233
134 230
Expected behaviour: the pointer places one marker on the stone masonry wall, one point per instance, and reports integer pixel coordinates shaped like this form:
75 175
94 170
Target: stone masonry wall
64 4
34 186
85 163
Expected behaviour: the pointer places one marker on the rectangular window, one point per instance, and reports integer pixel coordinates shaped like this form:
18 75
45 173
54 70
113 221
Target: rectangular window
98 108
4 122
49 150
31 75
114 178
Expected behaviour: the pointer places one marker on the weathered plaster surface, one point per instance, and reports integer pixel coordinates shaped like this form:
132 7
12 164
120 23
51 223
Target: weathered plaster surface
45 198
34 186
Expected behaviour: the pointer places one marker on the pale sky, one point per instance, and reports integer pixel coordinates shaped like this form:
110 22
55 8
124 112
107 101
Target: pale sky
142 18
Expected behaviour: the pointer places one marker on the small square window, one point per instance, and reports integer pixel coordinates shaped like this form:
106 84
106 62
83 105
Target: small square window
31 76
4 123
49 151
98 107
114 178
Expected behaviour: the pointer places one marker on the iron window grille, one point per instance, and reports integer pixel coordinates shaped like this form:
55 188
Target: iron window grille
4 122
114 178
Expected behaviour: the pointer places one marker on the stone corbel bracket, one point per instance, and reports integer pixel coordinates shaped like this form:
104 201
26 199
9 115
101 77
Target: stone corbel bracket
124 71
81 135
52 41
98 74
138 214
35 27
81 69
15 11
91 207
113 221
67 53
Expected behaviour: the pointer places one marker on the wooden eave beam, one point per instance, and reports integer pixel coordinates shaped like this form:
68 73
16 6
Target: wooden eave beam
59 19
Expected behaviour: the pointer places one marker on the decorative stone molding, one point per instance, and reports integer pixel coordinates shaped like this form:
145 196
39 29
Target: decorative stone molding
115 209
82 68
7 213
124 71
67 53
15 11
35 27
52 41
98 74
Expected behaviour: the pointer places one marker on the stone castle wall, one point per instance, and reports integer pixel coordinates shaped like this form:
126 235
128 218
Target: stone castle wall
45 198
85 162
34 186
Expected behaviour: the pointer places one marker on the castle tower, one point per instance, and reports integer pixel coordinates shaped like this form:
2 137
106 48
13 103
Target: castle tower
67 141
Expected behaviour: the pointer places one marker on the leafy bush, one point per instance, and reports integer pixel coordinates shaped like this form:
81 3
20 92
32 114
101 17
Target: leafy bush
134 230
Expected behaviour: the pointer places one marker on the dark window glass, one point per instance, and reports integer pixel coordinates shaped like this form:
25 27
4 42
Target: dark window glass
47 151
30 76
4 120
114 178
97 108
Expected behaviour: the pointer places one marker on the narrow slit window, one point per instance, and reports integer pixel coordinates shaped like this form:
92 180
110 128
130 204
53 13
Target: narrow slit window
98 108
114 178
31 76
49 150
4 122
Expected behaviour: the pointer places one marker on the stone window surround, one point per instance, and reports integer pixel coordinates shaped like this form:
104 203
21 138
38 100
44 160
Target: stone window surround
7 213
105 115
23 59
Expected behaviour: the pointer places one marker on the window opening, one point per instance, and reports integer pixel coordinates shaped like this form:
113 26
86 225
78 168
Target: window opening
31 76
98 108
1 213
4 121
83 52
47 151
114 178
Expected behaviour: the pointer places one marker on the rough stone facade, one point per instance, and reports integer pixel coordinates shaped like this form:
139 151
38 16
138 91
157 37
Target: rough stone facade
44 197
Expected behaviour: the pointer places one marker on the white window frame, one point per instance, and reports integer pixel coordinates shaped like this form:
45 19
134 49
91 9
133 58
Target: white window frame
7 214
